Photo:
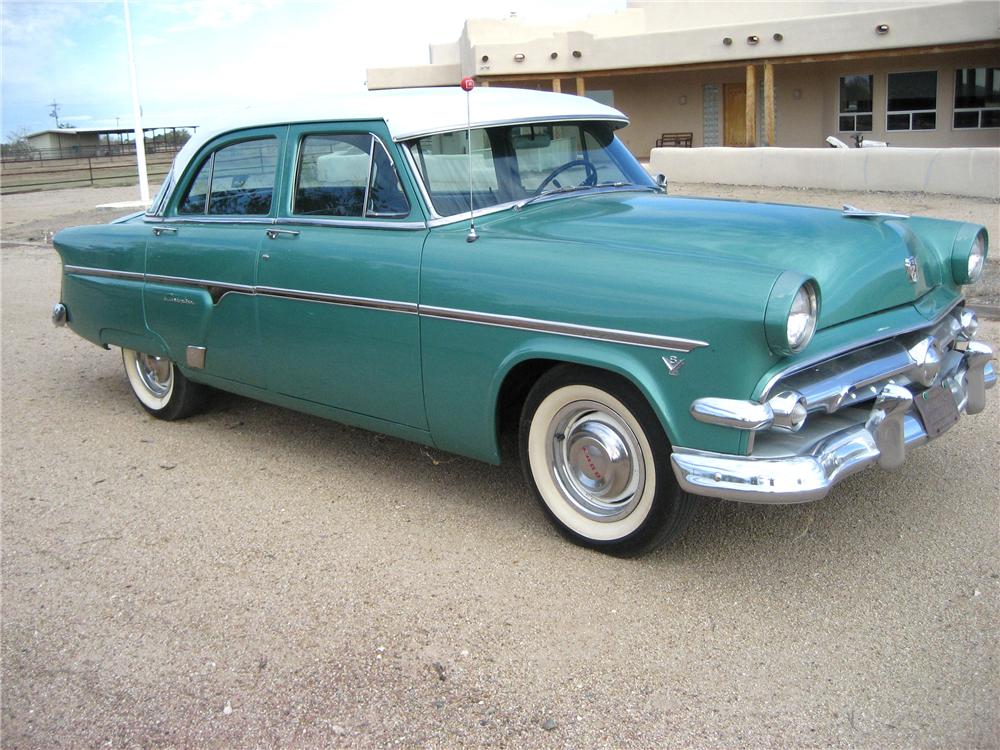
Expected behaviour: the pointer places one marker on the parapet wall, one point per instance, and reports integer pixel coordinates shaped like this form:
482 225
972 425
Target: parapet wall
956 171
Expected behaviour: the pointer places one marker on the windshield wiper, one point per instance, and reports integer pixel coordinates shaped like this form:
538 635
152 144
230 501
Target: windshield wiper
554 191
574 188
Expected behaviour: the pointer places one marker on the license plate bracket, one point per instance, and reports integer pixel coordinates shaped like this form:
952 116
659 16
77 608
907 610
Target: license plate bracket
937 410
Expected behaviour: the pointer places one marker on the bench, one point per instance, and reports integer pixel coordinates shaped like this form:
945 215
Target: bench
675 140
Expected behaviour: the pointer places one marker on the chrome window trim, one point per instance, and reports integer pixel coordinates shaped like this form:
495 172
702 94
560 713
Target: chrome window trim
563 329
260 220
419 179
395 169
621 122
610 335
355 223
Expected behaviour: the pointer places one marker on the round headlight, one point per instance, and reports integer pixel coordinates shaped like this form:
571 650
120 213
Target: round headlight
968 255
977 257
790 317
801 318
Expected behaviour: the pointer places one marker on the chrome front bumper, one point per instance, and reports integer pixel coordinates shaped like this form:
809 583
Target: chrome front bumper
836 443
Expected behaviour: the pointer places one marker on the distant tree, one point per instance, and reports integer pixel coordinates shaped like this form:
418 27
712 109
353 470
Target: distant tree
66 125
17 145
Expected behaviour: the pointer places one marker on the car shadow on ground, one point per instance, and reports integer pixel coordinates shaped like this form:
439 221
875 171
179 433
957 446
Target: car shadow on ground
864 510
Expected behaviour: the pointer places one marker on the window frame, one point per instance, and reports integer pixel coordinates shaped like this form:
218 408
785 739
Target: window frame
911 112
208 151
366 216
955 110
856 115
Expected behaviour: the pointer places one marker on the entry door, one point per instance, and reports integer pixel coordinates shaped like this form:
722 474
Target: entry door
338 278
734 114
198 293
202 259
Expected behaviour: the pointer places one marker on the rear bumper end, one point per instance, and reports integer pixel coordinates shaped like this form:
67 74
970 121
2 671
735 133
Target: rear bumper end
844 433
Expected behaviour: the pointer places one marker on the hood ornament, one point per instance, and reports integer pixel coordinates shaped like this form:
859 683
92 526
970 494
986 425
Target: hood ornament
851 212
912 269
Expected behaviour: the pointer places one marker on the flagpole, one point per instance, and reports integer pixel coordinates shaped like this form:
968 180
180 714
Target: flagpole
140 138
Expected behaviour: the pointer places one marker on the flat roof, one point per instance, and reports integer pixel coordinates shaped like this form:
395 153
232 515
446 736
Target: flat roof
108 131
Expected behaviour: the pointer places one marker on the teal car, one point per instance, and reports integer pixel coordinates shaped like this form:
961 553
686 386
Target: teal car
460 268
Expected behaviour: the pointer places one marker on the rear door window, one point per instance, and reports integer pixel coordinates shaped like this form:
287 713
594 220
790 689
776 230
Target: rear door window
235 180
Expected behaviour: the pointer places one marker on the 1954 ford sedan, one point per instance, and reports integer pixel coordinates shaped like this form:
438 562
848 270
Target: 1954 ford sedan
642 348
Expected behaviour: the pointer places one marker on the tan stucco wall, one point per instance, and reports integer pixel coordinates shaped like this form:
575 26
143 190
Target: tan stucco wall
688 33
955 171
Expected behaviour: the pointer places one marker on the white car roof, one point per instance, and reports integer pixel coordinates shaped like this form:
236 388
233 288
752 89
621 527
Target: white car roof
410 113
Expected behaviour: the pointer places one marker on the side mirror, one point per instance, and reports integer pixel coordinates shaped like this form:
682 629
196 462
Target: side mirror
661 181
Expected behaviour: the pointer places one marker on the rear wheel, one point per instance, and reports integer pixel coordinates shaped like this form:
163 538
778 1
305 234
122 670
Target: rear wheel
161 387
599 462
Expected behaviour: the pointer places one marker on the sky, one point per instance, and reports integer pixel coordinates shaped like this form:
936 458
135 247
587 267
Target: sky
198 61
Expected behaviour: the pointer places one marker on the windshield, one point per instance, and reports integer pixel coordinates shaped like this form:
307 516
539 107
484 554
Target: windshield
512 163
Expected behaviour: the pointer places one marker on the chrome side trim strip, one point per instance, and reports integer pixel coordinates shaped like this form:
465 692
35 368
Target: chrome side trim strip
202 283
408 308
103 272
612 335
563 329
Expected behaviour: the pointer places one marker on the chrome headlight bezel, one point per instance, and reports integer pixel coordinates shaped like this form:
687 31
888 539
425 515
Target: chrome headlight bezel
968 257
793 296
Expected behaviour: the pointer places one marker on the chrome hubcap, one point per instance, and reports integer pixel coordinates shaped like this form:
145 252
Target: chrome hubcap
596 460
155 373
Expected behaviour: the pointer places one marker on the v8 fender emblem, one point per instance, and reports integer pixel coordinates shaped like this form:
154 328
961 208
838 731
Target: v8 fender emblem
911 269
674 364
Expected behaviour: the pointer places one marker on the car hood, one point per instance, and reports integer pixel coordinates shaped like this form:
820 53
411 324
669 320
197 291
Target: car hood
860 264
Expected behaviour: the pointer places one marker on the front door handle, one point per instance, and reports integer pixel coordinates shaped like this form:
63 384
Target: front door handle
160 230
273 234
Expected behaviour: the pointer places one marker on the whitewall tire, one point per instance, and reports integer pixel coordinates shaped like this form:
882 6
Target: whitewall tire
598 460
161 387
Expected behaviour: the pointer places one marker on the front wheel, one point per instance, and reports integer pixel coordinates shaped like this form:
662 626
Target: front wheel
161 387
599 462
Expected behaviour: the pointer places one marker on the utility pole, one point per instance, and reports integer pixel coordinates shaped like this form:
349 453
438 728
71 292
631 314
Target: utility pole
55 111
140 138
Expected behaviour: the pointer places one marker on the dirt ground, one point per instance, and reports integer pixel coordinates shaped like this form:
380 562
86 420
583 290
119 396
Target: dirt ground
256 577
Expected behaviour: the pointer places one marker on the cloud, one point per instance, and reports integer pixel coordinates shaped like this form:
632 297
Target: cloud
214 14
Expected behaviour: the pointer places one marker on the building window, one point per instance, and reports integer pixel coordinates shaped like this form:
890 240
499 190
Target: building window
856 104
977 98
912 101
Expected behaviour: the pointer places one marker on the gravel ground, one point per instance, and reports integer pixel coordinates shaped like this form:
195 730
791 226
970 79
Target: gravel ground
254 577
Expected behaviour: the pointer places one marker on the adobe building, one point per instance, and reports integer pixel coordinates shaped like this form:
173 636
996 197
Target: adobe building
924 73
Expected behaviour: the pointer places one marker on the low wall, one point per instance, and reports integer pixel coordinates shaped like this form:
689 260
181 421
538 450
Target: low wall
956 171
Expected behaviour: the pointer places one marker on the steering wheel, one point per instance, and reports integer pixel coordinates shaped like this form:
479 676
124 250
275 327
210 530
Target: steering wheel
590 179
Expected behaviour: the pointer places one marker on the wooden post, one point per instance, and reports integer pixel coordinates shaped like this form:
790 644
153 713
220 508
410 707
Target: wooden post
769 104
580 88
557 85
751 105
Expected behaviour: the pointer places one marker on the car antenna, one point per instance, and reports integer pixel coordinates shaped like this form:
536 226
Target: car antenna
469 83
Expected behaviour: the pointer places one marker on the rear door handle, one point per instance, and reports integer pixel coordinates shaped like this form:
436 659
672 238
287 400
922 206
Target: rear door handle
160 230
273 234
